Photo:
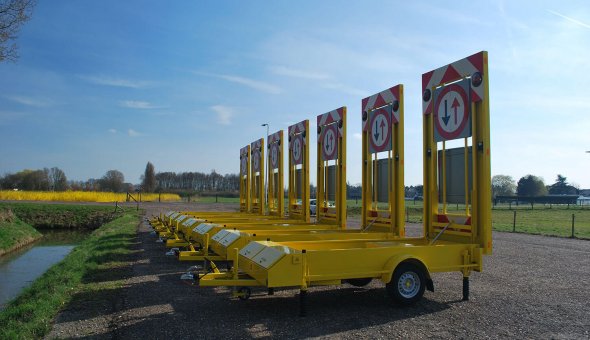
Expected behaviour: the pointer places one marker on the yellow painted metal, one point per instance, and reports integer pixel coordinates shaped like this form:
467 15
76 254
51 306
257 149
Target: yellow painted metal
324 213
453 243
392 218
276 194
245 179
258 205
299 173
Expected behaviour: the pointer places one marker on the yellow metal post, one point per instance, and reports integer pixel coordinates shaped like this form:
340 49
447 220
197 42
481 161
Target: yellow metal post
299 160
276 196
331 147
383 126
245 179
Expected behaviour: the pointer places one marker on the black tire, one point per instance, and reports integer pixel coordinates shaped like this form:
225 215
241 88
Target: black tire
359 282
407 284
246 292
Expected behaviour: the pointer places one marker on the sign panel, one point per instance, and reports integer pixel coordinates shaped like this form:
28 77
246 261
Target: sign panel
380 130
274 155
256 155
330 142
452 111
297 151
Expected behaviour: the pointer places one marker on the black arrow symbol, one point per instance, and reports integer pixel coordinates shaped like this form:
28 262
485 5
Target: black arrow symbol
376 134
446 117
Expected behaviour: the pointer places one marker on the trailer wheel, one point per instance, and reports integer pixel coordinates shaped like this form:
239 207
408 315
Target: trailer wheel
407 284
359 282
245 293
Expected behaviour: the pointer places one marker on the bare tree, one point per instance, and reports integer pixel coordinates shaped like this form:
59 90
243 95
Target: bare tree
13 14
57 179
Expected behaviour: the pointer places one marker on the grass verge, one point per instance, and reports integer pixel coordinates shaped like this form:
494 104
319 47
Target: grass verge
46 216
30 315
14 233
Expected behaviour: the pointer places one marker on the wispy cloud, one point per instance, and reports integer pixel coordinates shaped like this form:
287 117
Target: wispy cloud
251 83
113 131
578 22
357 135
133 133
117 82
345 89
138 104
30 101
295 73
224 114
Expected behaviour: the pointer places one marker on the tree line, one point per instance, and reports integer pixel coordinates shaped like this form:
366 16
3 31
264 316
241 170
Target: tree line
55 179
530 185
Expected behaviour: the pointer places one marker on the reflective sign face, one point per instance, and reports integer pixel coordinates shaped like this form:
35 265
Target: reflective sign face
330 142
452 111
244 165
274 155
380 130
256 161
297 149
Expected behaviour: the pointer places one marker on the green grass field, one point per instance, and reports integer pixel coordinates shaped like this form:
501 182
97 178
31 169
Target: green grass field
31 314
553 220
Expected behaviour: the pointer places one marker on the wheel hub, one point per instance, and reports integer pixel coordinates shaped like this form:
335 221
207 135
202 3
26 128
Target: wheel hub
408 285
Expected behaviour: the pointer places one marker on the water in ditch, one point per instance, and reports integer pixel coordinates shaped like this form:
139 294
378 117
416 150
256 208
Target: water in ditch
20 268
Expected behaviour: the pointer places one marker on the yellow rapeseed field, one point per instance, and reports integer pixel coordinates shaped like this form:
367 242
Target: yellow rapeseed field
78 196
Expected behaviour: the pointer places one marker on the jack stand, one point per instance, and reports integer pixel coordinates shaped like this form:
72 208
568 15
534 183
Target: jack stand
303 303
465 288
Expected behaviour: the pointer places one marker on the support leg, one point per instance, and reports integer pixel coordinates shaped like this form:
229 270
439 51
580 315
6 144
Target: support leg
465 288
271 291
302 303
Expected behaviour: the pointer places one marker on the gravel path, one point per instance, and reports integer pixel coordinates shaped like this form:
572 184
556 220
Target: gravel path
532 287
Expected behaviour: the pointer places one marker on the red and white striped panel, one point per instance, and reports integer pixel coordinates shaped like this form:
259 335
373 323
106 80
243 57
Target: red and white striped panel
297 129
381 99
331 117
274 138
256 158
244 151
244 160
455 71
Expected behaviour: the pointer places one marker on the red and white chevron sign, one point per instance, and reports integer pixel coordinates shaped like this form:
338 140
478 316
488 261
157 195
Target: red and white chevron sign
331 117
381 99
331 127
256 160
452 72
274 146
244 160
296 141
274 138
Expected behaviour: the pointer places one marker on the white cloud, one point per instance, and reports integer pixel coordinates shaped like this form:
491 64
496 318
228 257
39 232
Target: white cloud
251 83
117 82
137 104
30 101
570 19
112 131
224 114
133 133
357 135
290 72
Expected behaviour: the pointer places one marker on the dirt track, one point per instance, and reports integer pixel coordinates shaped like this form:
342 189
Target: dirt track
532 287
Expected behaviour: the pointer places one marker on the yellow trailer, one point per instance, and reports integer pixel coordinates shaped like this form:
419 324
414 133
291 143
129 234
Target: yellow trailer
455 112
327 219
222 244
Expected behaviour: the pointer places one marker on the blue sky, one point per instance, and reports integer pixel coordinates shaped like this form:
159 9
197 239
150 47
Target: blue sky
114 84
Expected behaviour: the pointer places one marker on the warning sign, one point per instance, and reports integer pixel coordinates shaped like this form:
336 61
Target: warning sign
244 165
297 150
274 155
452 111
380 130
330 142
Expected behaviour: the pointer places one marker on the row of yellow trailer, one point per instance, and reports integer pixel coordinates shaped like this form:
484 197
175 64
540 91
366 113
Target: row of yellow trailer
271 250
